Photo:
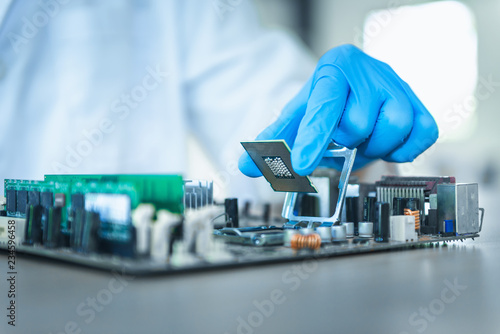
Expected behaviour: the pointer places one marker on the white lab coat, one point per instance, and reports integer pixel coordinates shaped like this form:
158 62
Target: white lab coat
116 86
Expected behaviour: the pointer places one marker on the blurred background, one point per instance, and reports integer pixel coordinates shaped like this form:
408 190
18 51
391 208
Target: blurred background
446 50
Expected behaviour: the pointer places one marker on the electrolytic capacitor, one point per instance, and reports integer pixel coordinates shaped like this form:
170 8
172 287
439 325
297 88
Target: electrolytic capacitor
45 224
52 236
365 229
399 206
368 212
288 234
231 207
246 209
349 229
351 210
47 202
325 232
266 216
339 233
33 231
77 229
369 209
89 232
382 222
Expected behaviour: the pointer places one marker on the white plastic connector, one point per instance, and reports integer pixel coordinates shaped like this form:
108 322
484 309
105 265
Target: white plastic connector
142 219
198 229
403 229
161 234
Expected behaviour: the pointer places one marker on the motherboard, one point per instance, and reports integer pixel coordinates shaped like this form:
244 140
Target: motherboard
160 224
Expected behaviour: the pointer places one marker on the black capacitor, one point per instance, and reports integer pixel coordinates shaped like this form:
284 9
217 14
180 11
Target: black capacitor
89 233
399 205
52 234
381 225
77 202
45 224
33 230
75 239
46 201
22 200
10 196
369 209
231 206
266 216
246 209
351 211
413 204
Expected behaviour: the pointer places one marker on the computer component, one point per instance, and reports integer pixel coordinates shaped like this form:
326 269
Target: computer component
458 204
289 212
198 193
150 224
365 229
403 228
310 241
272 157
256 236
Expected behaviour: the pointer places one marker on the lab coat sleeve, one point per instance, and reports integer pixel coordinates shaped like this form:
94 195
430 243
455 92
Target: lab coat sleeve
238 75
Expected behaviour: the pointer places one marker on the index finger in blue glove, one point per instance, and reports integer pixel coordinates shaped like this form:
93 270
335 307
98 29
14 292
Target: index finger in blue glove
324 110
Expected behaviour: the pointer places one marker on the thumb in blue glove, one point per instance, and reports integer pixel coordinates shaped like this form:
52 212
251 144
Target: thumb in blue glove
356 101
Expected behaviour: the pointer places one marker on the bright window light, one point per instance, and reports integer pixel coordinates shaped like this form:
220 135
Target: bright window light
433 47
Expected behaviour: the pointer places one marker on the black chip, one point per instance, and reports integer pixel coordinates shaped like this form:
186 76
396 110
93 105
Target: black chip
47 199
3 213
11 200
22 200
273 158
34 197
77 201
60 200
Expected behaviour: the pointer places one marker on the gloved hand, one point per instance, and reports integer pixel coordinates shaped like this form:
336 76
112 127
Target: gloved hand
358 102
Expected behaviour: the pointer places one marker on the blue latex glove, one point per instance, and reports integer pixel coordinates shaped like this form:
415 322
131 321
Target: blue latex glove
358 102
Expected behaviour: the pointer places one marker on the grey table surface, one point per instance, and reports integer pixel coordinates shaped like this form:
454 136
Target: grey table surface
453 289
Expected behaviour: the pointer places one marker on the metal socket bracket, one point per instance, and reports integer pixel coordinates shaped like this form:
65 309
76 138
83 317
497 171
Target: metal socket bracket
333 151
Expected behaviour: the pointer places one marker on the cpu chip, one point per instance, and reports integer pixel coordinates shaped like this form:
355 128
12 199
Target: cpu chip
272 157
